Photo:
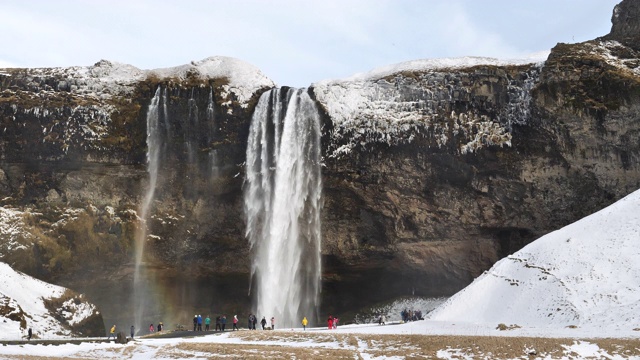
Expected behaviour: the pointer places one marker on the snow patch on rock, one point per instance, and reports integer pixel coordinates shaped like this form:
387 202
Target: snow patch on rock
12 230
393 104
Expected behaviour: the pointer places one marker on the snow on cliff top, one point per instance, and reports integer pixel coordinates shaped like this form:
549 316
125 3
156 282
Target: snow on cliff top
20 291
110 77
437 64
586 274
375 107
244 78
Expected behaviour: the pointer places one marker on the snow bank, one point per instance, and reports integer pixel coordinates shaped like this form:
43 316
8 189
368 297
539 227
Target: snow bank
585 275
22 299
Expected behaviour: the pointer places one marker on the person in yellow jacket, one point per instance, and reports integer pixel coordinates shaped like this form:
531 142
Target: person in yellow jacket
304 323
112 332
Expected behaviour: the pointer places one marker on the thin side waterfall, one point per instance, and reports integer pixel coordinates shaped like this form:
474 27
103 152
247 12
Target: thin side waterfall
192 123
211 120
140 283
283 199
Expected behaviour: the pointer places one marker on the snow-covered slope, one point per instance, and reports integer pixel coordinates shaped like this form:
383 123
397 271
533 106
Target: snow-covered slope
22 306
586 274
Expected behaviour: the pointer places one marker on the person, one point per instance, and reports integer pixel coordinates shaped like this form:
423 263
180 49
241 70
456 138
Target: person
132 331
218 324
330 322
235 322
250 321
199 322
151 328
304 323
29 334
263 322
255 320
195 322
273 323
159 327
223 321
112 332
207 322
335 322
383 319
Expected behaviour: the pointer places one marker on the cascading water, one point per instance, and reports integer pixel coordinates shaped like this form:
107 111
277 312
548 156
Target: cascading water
283 198
211 120
142 300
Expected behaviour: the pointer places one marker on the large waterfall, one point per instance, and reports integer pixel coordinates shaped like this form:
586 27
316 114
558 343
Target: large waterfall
142 298
283 198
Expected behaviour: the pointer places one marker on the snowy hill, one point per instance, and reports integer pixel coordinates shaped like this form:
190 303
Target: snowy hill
51 311
585 275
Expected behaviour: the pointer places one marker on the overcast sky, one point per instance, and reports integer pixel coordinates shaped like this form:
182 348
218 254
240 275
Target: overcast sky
294 43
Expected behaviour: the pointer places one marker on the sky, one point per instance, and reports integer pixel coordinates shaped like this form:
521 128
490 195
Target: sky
293 42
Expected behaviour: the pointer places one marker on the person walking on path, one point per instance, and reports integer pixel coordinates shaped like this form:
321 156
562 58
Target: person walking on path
235 322
263 322
330 322
223 321
112 332
132 331
255 320
195 322
199 322
273 323
304 323
218 326
29 334
250 321
207 322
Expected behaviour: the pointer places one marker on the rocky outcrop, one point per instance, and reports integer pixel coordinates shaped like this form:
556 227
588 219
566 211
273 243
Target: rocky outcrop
433 170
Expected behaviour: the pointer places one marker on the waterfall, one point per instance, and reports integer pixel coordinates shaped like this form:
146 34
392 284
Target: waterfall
142 300
283 198
211 120
191 125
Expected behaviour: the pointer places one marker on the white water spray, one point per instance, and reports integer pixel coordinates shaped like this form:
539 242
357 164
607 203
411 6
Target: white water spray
283 198
140 282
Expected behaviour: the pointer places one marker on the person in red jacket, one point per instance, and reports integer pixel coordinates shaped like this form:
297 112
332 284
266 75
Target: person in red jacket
330 322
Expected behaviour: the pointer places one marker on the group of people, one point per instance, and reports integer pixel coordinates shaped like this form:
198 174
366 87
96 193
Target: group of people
253 319
411 315
221 323
152 329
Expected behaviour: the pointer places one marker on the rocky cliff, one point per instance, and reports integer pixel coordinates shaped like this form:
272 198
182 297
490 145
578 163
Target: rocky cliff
433 170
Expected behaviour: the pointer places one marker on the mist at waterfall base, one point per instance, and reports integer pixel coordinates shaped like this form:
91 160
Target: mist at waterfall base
283 198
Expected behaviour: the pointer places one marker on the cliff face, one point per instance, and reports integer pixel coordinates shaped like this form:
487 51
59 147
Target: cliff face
433 170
